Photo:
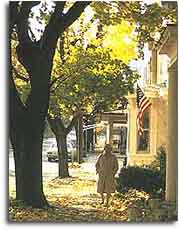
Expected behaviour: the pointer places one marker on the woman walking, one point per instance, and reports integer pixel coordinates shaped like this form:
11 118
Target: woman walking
106 168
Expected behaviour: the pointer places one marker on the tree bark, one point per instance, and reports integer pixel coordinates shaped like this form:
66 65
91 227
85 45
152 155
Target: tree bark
79 138
26 134
75 154
63 170
32 169
28 167
60 133
17 153
81 142
16 112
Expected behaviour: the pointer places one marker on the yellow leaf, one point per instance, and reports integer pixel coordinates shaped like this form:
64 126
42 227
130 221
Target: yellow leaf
120 39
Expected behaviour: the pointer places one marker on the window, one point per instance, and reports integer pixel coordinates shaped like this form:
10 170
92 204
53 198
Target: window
143 140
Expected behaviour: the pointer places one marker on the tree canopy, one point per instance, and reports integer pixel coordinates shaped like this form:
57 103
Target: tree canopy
148 19
89 78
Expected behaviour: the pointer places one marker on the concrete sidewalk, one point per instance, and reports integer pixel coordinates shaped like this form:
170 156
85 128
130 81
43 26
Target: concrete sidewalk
89 164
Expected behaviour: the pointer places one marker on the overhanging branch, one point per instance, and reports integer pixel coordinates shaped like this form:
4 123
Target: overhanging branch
22 20
74 12
59 22
73 121
50 34
59 83
13 14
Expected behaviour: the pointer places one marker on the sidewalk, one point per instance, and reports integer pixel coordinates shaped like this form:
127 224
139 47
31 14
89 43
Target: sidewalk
75 199
89 165
90 161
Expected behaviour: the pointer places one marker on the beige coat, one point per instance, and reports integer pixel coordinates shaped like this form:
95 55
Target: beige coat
106 168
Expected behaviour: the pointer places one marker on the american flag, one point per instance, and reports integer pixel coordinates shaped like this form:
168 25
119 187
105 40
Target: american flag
142 103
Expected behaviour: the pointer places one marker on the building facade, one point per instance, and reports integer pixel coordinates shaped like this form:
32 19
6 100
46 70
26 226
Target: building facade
160 119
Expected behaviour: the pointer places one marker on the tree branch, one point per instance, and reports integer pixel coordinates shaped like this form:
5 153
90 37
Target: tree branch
59 83
62 51
22 21
55 80
50 35
59 22
56 123
74 12
73 121
13 14
52 124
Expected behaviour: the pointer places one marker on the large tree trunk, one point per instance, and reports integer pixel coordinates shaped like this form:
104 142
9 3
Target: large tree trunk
26 132
16 135
32 159
27 146
17 153
62 155
27 121
28 167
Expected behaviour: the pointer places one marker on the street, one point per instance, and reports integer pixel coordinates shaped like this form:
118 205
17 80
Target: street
50 169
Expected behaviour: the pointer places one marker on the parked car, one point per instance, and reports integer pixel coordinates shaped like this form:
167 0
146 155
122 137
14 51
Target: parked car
47 143
52 152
